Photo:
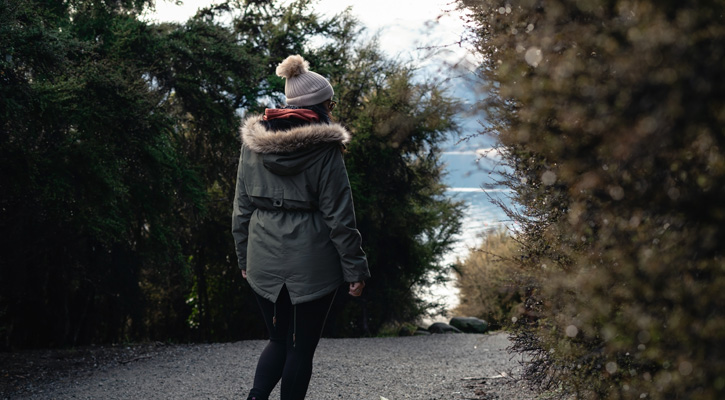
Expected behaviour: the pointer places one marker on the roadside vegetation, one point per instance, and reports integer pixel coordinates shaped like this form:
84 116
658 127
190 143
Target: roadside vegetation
118 153
491 283
611 114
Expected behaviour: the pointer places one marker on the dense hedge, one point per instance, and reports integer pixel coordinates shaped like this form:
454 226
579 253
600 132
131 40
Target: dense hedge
612 115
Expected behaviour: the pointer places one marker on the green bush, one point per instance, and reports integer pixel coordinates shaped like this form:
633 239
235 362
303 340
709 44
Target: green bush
119 147
611 114
491 282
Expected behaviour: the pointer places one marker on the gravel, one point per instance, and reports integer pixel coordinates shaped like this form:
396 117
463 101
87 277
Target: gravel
448 366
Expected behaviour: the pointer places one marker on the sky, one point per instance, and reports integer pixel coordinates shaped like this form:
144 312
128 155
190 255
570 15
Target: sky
403 25
404 28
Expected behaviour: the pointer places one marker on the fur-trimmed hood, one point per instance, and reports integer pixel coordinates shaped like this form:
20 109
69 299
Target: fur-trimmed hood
261 140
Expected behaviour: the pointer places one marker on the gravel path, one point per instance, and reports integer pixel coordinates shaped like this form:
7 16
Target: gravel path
451 366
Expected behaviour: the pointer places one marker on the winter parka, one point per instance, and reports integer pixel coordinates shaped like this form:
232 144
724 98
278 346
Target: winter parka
293 221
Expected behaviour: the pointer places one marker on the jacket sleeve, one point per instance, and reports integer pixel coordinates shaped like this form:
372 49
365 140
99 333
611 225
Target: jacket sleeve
241 215
339 214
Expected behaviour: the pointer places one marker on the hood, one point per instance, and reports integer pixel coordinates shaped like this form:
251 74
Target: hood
291 151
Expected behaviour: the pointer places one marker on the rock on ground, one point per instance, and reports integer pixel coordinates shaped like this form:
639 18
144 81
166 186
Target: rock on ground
469 324
462 366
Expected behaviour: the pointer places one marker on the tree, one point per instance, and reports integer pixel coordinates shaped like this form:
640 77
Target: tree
241 60
119 145
407 166
610 114
91 175
119 150
406 221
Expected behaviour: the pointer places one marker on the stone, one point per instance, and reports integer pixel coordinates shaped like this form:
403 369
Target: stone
470 324
421 332
406 330
440 327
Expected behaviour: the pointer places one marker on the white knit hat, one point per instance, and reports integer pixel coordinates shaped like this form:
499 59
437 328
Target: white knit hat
303 87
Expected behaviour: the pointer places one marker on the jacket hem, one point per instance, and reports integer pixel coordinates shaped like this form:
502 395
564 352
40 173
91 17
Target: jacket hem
294 298
314 296
265 295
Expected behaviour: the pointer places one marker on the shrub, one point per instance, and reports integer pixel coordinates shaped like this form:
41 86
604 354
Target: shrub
491 282
611 114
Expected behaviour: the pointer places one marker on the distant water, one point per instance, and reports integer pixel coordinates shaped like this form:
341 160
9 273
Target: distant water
472 177
480 216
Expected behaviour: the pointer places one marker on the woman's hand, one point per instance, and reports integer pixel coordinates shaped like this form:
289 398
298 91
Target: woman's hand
244 273
356 288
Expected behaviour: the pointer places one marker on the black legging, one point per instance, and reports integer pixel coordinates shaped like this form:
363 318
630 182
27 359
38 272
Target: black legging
292 343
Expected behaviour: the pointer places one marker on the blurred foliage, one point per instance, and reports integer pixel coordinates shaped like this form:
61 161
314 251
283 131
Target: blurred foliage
612 115
491 283
118 152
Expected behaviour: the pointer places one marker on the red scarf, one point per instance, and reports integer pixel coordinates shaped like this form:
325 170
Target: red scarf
284 113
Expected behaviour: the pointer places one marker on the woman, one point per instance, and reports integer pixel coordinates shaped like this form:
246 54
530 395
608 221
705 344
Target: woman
294 225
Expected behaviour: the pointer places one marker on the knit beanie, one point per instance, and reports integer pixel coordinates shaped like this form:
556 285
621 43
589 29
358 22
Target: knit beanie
303 87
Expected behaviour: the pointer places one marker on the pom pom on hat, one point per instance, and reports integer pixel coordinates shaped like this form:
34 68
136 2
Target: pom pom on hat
292 66
302 86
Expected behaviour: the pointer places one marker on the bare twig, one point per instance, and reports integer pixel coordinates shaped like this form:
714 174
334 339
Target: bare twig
134 359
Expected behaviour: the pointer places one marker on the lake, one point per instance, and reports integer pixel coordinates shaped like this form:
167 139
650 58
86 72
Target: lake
473 180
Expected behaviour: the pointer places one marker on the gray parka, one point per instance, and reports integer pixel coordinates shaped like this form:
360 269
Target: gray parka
293 221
